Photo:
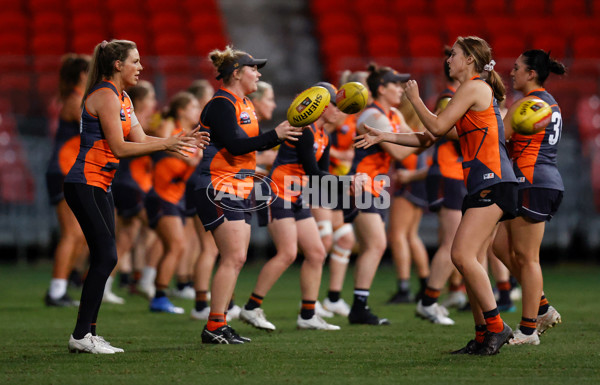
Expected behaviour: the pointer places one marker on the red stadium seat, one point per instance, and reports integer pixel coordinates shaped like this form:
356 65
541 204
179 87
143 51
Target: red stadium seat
174 64
13 22
328 23
445 7
209 7
425 45
500 25
117 6
160 6
384 45
507 46
77 6
167 22
85 43
171 44
363 8
595 4
177 83
568 7
36 6
341 45
12 43
46 64
11 63
88 22
487 7
17 87
49 44
205 43
46 87
586 46
204 23
12 6
574 26
379 24
554 44
526 8
45 22
536 26
462 25
127 22
421 25
403 8
588 117
584 67
318 6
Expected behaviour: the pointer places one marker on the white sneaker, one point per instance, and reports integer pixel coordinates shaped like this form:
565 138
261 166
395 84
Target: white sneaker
201 315
315 323
434 313
339 307
187 292
456 299
147 288
107 344
256 317
519 338
547 320
322 312
110 297
443 310
234 313
88 344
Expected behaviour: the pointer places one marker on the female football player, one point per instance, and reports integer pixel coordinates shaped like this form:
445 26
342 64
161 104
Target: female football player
540 194
490 180
109 131
225 182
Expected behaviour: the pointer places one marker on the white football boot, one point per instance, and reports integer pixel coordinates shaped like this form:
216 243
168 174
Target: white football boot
88 344
315 323
434 313
256 317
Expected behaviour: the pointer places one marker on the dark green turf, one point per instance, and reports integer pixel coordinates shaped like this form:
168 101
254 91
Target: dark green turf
166 349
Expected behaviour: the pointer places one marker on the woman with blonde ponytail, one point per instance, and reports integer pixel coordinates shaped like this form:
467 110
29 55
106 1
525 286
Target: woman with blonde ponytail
488 175
109 130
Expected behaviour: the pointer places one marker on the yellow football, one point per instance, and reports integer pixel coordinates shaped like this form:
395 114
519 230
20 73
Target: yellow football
531 116
352 98
308 106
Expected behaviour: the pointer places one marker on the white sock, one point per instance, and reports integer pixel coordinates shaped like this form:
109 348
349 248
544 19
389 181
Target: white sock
148 275
58 288
108 286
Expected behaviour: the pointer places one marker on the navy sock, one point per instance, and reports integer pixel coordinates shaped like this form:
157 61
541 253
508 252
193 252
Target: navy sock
361 297
333 296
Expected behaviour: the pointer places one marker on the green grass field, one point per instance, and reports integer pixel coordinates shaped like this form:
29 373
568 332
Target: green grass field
166 349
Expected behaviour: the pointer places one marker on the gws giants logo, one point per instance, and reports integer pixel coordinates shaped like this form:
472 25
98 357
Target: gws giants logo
231 190
305 103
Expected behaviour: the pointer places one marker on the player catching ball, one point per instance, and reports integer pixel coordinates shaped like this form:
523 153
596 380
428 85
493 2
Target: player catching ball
540 193
490 180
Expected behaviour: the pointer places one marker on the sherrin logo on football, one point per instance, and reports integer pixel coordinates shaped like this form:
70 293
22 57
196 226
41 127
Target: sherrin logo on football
308 106
531 116
351 98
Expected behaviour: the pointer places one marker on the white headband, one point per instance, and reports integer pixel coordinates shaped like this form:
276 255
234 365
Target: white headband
489 67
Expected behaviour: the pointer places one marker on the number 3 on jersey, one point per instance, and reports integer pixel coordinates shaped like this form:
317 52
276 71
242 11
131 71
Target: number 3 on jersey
557 126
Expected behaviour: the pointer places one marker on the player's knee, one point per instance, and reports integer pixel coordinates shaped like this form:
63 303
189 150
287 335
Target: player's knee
316 256
287 256
458 259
